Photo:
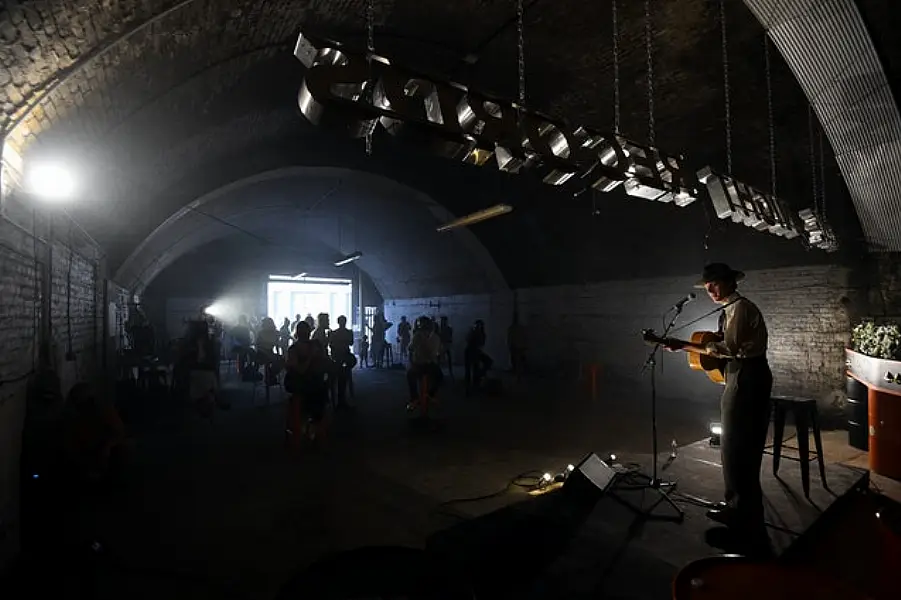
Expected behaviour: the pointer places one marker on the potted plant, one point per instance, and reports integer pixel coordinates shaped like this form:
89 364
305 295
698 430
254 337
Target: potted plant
877 341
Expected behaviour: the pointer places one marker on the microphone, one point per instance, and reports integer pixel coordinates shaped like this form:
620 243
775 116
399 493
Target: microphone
681 303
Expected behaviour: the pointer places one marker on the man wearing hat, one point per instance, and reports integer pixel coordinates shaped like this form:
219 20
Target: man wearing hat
745 404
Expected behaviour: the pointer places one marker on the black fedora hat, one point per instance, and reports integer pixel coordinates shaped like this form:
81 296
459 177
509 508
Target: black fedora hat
719 272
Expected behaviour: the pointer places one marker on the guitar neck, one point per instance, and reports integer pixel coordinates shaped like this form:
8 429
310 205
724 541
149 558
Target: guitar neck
683 344
702 348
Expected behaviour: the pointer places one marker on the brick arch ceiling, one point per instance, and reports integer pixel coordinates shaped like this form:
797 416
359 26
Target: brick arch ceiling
392 224
90 66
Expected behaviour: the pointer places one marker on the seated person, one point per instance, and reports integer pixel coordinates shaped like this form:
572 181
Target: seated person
94 435
425 350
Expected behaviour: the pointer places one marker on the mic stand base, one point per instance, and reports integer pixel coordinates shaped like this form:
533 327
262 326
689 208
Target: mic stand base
662 489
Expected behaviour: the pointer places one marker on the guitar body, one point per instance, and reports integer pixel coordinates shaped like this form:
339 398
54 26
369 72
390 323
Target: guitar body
713 367
702 362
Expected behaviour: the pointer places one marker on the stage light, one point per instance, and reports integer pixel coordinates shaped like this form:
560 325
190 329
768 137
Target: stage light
546 477
225 310
570 468
716 432
50 181
349 259
476 217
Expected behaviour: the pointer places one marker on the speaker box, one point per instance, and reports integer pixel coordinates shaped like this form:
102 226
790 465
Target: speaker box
590 479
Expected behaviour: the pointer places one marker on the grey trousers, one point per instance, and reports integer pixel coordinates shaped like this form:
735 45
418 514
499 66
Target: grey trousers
745 410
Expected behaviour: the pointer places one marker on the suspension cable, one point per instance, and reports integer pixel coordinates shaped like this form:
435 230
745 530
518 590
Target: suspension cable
813 162
370 47
770 113
827 231
650 59
520 52
728 116
616 99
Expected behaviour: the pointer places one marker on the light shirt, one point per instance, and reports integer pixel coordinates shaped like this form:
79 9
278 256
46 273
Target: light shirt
425 348
744 331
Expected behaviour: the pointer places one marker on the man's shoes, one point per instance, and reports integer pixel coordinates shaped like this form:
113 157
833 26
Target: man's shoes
724 516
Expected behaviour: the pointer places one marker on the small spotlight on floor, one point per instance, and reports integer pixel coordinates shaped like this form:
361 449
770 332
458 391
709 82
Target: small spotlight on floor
716 432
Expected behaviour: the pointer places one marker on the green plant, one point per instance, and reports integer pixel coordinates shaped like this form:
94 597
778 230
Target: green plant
878 341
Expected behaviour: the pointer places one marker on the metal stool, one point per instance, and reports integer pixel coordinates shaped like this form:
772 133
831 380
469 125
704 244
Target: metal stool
805 416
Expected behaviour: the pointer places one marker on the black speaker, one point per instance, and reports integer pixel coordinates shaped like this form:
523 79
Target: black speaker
590 478
855 390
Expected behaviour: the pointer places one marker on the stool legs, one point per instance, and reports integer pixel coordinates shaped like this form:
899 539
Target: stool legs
818 443
803 449
778 431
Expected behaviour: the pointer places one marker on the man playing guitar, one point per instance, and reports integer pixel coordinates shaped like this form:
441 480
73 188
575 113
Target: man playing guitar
745 404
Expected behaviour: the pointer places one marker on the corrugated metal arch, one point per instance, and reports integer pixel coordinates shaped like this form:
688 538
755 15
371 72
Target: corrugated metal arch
828 47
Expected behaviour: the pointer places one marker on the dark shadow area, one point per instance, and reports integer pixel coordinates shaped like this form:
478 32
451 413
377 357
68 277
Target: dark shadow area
505 552
378 571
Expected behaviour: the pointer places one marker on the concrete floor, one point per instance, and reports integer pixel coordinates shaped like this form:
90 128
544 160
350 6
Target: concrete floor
223 510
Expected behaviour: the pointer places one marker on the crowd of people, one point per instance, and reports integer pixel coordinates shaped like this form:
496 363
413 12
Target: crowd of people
314 361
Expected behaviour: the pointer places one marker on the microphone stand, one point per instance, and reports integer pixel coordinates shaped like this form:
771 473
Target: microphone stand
652 481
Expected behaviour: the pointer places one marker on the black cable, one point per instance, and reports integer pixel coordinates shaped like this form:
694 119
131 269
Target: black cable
516 481
17 378
36 292
69 296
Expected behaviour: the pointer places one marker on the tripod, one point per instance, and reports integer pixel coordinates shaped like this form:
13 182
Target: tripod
652 481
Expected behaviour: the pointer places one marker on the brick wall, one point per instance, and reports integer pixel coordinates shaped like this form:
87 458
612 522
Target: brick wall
46 291
884 297
805 307
73 314
19 322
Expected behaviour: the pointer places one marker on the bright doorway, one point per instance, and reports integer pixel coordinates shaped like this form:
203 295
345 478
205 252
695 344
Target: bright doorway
289 296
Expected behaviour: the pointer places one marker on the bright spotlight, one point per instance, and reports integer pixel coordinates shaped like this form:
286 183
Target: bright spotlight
214 310
50 181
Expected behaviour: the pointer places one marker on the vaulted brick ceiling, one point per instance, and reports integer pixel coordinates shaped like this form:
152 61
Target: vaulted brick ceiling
160 102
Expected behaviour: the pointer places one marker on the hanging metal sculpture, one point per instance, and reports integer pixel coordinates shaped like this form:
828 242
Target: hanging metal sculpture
362 92
462 124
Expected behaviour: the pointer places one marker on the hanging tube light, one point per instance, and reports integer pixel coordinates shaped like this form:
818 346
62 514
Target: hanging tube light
349 259
477 217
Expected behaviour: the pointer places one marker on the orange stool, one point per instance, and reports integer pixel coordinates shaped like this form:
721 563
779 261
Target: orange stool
424 395
591 370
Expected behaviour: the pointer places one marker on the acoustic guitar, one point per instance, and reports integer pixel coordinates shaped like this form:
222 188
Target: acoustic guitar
694 349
